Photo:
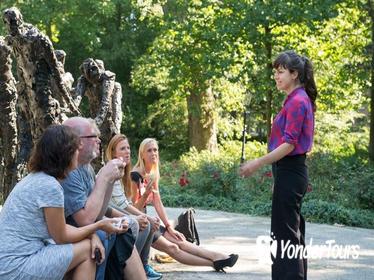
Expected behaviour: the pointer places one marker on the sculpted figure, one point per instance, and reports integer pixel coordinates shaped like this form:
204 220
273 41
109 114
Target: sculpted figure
44 99
104 96
67 77
8 117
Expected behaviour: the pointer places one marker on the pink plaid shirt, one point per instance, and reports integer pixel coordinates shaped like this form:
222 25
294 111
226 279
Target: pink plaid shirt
294 124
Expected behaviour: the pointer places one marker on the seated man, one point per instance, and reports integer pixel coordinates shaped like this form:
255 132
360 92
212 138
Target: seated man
87 198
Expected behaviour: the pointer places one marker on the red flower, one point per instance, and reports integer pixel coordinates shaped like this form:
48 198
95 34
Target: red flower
183 181
216 175
268 174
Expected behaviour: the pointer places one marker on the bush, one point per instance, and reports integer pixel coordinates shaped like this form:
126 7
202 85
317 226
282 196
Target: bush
327 212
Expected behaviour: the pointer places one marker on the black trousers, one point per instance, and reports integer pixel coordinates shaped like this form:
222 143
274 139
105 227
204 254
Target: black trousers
287 224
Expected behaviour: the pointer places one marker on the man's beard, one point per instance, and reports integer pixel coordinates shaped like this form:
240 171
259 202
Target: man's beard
91 156
95 154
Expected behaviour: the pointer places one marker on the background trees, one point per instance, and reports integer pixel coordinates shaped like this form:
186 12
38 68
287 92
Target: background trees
189 68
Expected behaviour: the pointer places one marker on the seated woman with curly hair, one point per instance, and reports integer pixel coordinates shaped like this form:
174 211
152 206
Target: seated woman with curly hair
36 243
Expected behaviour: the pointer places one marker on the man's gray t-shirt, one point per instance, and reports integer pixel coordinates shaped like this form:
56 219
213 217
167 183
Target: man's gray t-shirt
77 187
25 252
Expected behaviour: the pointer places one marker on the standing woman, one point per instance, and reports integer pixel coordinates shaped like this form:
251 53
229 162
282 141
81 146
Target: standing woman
36 243
290 139
168 239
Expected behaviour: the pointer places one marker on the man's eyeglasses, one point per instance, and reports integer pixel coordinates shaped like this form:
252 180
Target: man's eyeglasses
90 136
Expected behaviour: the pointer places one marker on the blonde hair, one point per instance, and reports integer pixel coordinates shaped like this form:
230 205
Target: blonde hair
140 163
109 155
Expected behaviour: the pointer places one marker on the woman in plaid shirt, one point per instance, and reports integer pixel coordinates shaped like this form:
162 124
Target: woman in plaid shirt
290 139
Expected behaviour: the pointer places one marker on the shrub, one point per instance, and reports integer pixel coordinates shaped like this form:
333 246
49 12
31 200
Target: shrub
328 212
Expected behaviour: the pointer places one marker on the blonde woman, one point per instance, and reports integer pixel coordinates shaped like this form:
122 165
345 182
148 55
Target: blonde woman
146 173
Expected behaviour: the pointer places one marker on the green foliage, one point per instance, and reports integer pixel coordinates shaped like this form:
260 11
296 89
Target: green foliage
339 173
341 135
341 59
190 56
223 42
330 212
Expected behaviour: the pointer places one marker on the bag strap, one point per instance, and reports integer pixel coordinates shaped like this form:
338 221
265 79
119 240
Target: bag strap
191 212
196 233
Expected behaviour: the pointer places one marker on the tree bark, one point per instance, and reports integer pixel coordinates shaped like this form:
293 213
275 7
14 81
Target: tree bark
371 143
202 128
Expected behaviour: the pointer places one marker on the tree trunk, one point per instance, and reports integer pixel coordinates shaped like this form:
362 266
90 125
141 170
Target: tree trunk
371 143
202 130
269 68
118 16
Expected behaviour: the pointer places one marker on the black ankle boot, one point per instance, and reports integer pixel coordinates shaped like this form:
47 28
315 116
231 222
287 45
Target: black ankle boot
220 264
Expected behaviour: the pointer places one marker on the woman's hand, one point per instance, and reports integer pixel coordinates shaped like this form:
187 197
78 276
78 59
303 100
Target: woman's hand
149 187
176 234
155 223
249 167
142 221
96 244
112 225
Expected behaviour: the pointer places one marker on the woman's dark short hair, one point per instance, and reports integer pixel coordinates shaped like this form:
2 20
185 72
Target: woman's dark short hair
54 151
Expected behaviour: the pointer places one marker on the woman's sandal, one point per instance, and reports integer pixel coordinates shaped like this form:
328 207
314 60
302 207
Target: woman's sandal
220 264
